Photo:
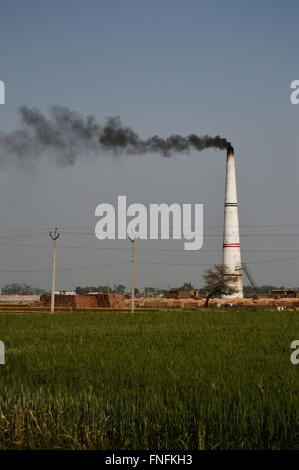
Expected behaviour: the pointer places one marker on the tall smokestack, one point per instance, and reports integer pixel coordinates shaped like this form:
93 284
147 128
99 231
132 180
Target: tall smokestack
231 238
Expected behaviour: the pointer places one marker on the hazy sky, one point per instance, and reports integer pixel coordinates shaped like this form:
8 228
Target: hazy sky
208 67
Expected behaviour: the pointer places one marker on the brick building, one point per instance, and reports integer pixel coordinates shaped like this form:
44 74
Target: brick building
183 294
85 302
284 293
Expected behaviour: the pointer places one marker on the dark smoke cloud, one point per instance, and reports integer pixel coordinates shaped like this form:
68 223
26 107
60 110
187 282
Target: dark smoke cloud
66 136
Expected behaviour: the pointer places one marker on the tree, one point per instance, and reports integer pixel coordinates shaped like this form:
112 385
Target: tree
120 288
263 290
21 289
82 290
186 286
218 282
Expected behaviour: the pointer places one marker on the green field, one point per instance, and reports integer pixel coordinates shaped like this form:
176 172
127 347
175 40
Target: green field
154 380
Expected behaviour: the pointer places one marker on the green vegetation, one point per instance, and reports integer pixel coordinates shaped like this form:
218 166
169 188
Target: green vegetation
156 380
104 289
21 289
263 290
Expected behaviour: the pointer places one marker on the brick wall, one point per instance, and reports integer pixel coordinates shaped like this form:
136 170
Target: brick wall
25 299
60 300
86 301
110 300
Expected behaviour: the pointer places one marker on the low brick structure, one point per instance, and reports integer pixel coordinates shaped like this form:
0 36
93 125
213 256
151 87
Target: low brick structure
19 299
110 300
284 293
183 294
85 302
155 304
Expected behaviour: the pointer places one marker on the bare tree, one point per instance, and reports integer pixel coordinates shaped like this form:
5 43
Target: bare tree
218 282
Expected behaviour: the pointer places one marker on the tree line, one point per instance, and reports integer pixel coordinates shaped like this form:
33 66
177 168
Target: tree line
25 289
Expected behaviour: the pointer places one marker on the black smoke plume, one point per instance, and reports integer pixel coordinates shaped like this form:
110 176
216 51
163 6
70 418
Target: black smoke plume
67 136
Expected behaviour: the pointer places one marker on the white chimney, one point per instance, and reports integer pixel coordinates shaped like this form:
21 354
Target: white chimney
231 238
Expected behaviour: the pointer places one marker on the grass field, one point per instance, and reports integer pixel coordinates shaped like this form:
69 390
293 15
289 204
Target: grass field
155 380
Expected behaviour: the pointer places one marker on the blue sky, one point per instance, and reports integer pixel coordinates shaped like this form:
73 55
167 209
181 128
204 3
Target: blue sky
164 67
118 57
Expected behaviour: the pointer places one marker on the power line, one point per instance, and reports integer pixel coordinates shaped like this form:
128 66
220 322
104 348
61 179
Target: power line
170 233
45 229
206 250
140 262
210 226
209 264
61 269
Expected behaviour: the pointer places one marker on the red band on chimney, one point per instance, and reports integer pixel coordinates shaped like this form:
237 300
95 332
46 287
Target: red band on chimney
227 245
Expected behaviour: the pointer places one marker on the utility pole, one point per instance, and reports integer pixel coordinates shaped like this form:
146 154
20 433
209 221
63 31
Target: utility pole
54 237
132 238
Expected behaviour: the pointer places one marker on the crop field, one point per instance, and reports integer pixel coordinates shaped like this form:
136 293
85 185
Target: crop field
218 379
